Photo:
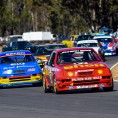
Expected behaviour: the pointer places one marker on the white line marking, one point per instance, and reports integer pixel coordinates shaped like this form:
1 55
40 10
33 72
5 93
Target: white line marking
115 80
113 66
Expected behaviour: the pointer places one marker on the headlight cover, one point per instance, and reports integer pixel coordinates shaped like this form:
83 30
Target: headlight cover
7 72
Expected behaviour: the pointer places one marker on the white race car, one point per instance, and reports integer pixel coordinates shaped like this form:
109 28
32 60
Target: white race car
109 44
93 44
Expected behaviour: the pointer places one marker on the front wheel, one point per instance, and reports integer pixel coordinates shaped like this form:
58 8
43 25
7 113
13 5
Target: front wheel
55 90
46 90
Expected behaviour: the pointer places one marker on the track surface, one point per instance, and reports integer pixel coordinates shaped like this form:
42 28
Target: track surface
32 102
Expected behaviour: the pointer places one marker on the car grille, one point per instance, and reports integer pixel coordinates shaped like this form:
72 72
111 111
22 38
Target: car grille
86 82
83 74
22 78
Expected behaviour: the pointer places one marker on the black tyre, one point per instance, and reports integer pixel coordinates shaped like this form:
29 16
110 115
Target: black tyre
46 90
55 87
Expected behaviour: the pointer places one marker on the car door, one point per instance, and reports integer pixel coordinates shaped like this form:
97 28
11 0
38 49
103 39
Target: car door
50 67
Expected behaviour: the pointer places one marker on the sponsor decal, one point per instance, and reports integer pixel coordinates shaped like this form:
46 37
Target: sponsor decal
87 86
88 70
14 64
15 53
31 69
53 69
86 78
5 68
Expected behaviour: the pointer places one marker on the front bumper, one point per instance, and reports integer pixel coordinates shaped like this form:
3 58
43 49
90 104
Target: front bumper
20 80
110 52
74 85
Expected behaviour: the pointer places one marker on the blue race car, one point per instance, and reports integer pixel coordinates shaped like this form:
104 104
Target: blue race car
108 43
19 67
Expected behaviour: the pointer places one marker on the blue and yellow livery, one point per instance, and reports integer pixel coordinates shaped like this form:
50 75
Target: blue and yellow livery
19 67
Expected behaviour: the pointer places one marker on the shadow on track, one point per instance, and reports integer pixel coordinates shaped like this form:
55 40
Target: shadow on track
21 86
82 91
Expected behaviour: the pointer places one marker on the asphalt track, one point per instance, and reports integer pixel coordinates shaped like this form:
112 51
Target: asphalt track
32 102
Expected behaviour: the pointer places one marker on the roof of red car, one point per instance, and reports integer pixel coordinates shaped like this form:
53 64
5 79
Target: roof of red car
74 48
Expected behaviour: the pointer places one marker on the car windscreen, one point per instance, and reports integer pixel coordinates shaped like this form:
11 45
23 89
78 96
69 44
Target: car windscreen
77 56
85 37
14 38
24 44
16 59
41 51
104 39
53 47
87 45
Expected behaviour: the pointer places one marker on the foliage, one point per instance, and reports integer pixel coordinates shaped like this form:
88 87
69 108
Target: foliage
63 17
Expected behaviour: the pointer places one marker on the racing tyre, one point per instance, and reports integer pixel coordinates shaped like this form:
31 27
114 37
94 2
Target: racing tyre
46 90
55 87
108 89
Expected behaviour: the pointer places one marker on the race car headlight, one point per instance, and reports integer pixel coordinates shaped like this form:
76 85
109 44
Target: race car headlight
70 74
7 72
31 69
100 72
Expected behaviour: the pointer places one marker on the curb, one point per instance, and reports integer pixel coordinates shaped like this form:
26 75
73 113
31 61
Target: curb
113 66
115 80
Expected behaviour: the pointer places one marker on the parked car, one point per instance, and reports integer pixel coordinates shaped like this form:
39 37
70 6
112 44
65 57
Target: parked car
108 43
82 37
19 67
76 68
93 44
18 45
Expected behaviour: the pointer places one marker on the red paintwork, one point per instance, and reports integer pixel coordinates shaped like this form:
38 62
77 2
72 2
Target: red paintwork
84 75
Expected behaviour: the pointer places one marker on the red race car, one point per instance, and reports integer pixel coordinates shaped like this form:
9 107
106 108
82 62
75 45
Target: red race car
76 68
